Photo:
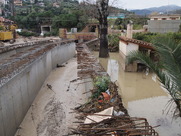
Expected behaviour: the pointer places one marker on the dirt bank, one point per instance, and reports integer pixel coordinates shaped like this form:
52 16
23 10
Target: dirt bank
49 114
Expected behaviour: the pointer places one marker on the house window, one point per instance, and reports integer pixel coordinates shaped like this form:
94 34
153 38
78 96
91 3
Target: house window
173 18
164 19
155 18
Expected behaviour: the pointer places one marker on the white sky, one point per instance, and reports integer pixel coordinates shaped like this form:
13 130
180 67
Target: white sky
141 4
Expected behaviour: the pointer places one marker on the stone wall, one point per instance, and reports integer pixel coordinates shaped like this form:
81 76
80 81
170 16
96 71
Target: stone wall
19 87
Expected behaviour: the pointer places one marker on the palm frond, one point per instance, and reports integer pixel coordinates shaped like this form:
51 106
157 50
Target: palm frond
168 69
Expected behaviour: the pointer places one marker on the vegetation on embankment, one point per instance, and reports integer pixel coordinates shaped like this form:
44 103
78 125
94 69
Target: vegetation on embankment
138 22
149 37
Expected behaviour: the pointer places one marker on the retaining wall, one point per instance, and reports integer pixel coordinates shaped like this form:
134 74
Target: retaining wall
93 44
18 91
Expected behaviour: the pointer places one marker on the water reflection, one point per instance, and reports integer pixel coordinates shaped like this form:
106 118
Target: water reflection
143 96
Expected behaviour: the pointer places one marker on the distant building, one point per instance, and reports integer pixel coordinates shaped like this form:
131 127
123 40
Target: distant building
41 4
45 29
56 4
164 23
164 17
4 1
116 16
18 3
32 1
4 20
38 1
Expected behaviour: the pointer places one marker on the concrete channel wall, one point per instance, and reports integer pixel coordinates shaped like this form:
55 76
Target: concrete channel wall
18 93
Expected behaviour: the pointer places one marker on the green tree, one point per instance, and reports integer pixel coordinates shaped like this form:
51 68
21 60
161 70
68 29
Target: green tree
179 28
168 68
65 21
99 10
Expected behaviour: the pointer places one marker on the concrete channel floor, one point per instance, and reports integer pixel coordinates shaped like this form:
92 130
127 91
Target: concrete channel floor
50 114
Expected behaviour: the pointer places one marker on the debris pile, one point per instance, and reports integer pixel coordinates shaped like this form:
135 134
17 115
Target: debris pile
116 126
104 113
104 101
87 63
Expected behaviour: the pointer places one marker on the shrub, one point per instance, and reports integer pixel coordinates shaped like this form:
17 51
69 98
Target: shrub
1 28
113 40
47 34
101 84
27 33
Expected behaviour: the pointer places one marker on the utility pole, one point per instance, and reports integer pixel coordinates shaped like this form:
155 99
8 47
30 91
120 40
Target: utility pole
12 8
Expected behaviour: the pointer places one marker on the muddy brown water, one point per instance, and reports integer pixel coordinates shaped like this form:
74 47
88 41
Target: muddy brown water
143 96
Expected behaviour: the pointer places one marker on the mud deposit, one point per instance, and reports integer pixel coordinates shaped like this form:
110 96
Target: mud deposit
50 114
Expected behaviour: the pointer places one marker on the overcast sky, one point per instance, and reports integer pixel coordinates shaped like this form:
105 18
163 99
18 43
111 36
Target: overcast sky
141 4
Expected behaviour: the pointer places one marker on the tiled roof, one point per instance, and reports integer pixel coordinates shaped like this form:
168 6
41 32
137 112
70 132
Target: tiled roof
139 42
4 20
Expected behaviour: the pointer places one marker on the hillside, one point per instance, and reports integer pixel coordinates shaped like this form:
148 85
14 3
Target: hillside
162 9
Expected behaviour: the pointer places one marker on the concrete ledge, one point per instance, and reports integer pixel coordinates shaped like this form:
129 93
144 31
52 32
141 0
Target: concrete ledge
20 45
12 66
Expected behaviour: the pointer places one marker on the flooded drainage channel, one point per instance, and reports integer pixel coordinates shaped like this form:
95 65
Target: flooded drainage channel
143 96
114 124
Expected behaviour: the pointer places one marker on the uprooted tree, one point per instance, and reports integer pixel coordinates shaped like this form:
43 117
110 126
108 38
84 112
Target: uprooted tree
99 9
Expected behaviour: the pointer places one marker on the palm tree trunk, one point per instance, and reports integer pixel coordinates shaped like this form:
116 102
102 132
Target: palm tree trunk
177 101
103 52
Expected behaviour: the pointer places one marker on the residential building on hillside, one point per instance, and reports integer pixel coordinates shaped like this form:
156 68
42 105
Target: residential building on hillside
18 2
3 1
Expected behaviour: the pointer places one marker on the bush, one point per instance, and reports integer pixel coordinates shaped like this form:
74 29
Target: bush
113 40
1 28
47 34
149 37
137 26
101 84
27 33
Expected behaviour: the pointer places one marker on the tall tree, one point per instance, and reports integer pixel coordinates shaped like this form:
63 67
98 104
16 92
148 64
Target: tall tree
99 10
102 7
168 68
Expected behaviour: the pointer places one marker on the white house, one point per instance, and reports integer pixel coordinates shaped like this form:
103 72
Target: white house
128 45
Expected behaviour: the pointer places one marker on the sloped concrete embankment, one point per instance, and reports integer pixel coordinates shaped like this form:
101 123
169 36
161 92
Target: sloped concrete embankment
22 76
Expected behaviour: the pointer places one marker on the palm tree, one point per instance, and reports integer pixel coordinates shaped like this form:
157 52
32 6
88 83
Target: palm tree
168 68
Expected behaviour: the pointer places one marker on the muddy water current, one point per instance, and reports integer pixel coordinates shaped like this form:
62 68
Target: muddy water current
143 96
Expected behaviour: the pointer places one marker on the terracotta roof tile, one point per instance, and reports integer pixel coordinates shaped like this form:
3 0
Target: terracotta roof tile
139 42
